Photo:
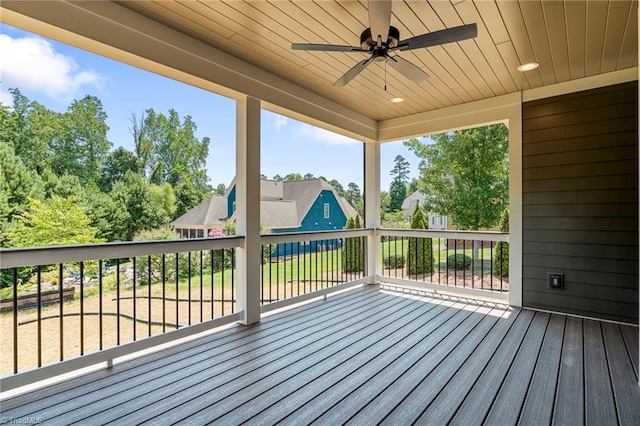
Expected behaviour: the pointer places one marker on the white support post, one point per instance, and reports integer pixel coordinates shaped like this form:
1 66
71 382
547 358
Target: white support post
248 208
372 207
515 206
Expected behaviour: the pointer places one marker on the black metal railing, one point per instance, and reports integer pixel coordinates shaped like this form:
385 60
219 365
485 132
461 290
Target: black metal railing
61 310
294 266
470 260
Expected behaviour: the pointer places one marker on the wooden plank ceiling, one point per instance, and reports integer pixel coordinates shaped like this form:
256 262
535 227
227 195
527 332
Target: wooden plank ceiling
569 39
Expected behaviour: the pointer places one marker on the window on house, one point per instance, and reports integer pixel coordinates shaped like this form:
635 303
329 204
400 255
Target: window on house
437 220
234 206
326 210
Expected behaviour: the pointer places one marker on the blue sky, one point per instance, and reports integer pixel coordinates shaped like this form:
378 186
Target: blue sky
54 74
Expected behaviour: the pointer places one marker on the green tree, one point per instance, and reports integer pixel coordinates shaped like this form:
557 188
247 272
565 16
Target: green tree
87 134
221 189
170 151
466 174
420 251
30 128
385 200
398 187
55 221
116 164
501 255
292 177
187 197
338 187
352 249
354 197
109 216
18 185
163 202
133 195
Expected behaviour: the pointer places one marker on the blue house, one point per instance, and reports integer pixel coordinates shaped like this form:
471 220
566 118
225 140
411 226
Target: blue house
292 206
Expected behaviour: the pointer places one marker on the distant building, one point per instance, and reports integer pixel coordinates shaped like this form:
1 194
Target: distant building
436 221
292 206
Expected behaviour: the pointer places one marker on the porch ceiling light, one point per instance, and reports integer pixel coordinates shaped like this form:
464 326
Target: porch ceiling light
528 67
397 100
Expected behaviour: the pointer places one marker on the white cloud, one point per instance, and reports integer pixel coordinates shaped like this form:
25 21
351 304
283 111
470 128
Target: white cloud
31 63
280 122
324 136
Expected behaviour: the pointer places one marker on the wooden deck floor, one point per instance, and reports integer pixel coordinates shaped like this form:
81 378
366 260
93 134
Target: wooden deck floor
368 356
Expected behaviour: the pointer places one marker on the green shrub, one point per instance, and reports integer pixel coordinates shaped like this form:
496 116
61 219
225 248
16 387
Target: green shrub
393 261
352 249
420 252
459 261
501 251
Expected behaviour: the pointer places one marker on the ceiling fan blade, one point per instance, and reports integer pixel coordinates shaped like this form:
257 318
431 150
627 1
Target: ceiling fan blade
435 38
407 69
353 72
326 47
379 19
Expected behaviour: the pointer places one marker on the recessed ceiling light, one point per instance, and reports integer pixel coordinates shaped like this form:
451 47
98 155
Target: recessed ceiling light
528 67
397 100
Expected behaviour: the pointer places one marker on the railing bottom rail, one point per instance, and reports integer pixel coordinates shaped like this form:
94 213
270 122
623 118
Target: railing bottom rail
442 288
50 371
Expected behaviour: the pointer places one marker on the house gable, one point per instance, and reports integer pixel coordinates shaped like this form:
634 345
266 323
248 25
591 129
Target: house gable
315 219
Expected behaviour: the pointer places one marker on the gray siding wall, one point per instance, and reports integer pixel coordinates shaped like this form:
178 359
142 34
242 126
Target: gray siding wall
580 202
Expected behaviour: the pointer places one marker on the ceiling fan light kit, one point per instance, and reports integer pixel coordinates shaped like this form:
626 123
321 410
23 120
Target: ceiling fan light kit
381 39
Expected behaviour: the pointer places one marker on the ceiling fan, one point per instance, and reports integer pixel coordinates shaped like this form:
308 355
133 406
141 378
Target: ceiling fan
381 39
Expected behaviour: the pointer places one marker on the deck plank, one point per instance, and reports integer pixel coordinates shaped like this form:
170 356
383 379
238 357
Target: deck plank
630 335
193 381
446 404
477 403
621 368
370 355
391 394
538 406
418 400
569 406
369 347
173 365
85 384
507 405
350 402
599 404
309 402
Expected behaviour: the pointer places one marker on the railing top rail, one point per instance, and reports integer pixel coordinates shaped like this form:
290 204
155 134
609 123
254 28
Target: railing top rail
454 235
294 237
31 256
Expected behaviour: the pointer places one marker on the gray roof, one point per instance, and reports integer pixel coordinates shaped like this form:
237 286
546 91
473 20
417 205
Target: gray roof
210 213
279 214
409 202
282 205
271 190
304 192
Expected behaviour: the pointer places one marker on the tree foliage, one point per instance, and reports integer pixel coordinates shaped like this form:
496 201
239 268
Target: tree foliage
465 174
501 255
55 221
420 251
354 197
352 249
398 187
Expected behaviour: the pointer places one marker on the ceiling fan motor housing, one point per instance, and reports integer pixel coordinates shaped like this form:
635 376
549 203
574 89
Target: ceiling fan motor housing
367 43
